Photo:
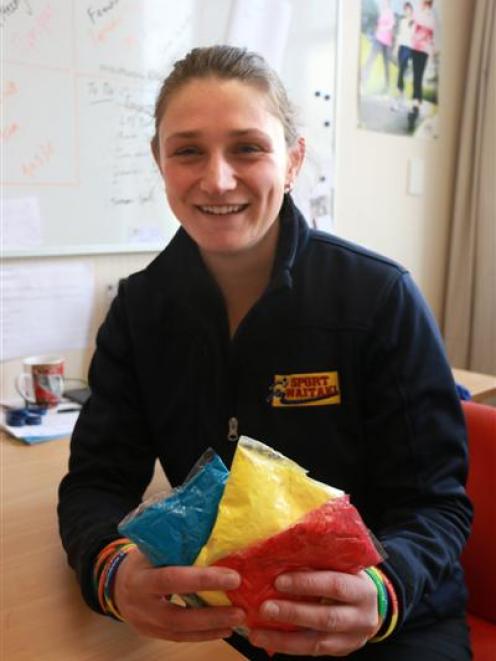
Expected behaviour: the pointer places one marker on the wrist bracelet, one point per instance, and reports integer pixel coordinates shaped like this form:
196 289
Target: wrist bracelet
108 581
382 595
103 555
388 626
106 566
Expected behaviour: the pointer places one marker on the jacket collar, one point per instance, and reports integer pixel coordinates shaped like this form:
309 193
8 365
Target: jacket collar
182 256
293 237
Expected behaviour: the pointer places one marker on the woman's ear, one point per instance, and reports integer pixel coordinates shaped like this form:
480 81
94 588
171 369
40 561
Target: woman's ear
296 156
155 150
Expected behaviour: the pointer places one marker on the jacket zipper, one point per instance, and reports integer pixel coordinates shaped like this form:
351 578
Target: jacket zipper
232 430
232 421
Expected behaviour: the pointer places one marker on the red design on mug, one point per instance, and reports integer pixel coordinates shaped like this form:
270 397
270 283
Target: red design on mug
42 381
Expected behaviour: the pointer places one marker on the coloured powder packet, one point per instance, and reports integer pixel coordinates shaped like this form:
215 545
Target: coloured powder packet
170 529
330 537
265 493
262 519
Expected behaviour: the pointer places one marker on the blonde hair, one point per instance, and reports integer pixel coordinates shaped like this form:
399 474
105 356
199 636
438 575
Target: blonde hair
228 63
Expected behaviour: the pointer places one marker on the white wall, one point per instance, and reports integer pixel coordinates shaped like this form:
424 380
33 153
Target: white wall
108 269
372 204
372 207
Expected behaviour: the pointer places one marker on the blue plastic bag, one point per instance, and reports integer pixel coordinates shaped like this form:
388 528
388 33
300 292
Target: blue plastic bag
172 529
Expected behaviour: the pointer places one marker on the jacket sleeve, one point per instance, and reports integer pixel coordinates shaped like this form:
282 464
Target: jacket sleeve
417 454
111 459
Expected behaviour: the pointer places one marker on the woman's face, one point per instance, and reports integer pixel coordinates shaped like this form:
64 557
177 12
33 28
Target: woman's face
225 163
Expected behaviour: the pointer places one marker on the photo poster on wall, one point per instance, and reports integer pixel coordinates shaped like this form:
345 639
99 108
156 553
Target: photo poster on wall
400 55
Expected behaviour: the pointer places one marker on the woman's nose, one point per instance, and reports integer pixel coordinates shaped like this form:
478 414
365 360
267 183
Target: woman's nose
218 176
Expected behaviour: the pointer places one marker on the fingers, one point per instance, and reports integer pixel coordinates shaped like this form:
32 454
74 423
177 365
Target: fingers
186 636
160 619
335 619
139 595
344 588
178 619
309 643
342 621
185 580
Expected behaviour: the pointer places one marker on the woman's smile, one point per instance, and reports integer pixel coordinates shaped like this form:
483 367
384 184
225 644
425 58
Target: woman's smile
222 209
225 163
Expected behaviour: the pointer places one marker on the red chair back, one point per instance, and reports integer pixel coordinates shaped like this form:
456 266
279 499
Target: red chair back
479 557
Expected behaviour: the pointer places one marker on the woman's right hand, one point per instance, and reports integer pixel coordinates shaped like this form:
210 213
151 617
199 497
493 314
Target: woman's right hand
141 593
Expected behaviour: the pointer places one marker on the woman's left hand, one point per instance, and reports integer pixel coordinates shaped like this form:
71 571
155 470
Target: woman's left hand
344 620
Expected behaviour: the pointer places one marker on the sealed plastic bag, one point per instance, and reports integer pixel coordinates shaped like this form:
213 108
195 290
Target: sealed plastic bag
171 529
331 537
265 493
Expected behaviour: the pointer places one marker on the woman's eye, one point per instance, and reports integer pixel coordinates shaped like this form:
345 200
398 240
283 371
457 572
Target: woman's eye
187 151
249 149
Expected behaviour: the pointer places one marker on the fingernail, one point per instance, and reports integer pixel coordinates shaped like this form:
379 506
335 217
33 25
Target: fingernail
270 609
238 617
283 583
231 580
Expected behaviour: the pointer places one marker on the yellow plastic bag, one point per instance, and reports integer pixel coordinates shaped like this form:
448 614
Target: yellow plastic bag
265 493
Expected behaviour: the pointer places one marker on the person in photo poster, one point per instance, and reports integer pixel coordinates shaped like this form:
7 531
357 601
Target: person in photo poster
404 52
413 63
424 26
382 42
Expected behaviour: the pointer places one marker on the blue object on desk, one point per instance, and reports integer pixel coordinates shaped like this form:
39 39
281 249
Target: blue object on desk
463 393
21 417
16 417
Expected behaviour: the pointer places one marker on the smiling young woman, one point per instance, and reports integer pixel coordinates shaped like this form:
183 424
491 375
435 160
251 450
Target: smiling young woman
199 347
226 165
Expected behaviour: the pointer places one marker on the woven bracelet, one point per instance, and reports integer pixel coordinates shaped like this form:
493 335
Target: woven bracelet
107 574
103 556
388 626
382 595
107 584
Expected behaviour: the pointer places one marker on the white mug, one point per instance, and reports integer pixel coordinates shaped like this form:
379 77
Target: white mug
42 380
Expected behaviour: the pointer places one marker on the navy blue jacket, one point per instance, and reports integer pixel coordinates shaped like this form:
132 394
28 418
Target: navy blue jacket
339 366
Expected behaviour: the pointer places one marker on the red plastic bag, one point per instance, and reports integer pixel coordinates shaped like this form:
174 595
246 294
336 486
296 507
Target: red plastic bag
331 537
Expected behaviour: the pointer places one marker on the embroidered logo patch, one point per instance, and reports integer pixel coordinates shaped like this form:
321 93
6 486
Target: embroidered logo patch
313 389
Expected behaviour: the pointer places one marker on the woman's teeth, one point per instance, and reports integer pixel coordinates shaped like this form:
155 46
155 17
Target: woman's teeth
224 209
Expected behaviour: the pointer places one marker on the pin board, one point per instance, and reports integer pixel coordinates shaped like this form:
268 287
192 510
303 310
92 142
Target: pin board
79 83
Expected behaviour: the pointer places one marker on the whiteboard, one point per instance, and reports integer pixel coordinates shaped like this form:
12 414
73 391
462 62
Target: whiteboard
79 80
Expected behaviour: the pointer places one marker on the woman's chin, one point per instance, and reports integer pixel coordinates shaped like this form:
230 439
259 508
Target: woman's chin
223 248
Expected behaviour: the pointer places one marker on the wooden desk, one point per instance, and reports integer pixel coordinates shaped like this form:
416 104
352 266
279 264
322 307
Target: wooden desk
43 615
480 386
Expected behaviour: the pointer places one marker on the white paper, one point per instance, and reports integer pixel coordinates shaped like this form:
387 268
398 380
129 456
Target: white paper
261 26
20 223
45 308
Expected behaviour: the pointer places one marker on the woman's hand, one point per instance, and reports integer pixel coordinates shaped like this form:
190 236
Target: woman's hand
141 594
341 623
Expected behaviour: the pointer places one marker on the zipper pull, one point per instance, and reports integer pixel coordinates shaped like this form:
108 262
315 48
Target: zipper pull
232 430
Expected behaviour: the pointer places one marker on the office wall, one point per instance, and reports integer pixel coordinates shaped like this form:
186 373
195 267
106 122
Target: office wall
372 205
107 269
